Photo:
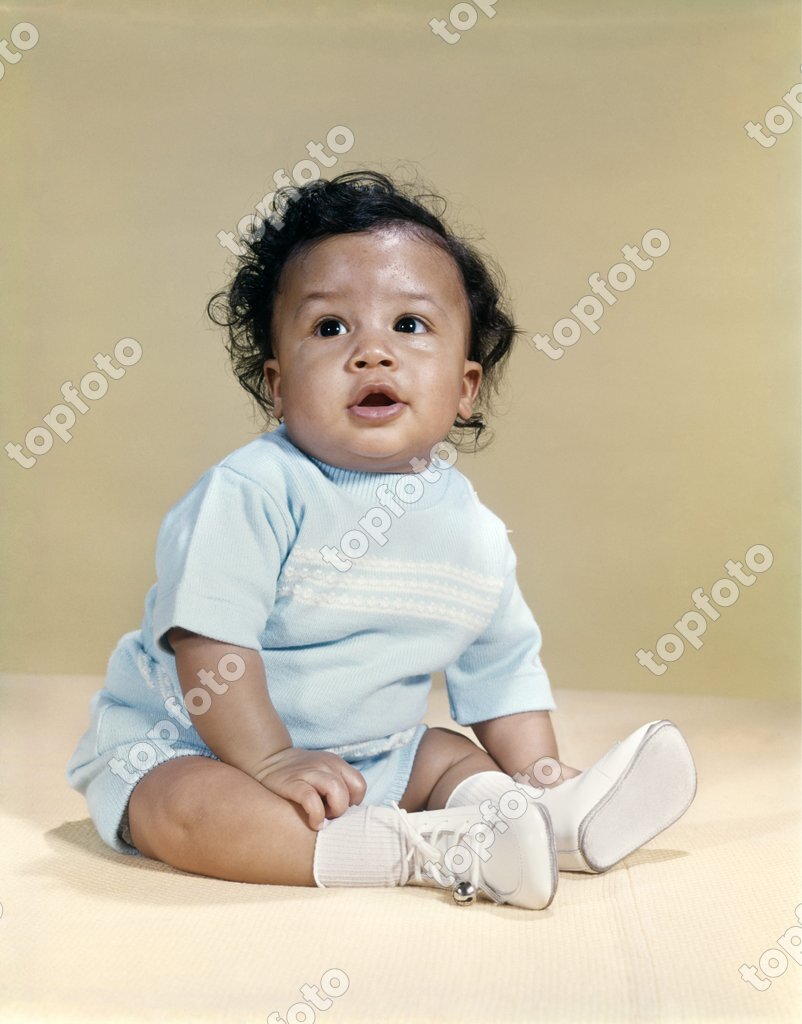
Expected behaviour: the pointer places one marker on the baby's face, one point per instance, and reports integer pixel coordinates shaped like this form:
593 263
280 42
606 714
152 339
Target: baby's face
362 311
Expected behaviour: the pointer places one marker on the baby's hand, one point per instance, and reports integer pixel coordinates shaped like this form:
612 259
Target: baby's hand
323 784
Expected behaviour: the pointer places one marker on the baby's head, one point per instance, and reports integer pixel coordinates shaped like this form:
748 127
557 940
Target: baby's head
365 325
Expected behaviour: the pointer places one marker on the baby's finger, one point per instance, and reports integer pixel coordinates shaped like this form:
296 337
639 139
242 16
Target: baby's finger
335 791
356 783
311 803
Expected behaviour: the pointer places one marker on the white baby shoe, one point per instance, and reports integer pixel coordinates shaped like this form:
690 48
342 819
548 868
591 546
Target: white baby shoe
460 849
636 790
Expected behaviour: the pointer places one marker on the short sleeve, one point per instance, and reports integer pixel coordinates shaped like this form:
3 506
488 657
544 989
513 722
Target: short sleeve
218 557
501 672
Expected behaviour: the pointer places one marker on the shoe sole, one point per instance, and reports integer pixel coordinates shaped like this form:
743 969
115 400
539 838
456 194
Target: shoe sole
548 843
630 816
537 840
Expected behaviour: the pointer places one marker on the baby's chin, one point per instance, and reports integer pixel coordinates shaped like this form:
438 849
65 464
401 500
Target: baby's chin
395 447
369 462
372 455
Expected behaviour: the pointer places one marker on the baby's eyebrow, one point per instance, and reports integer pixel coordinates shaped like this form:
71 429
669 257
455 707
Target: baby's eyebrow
421 297
314 297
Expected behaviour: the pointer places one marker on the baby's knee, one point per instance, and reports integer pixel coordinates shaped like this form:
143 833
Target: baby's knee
453 746
166 802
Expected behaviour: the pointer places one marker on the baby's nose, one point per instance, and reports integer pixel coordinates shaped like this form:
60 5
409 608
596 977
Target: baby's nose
372 354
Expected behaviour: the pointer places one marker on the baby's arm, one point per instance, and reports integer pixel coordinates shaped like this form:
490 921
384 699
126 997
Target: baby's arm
243 728
241 725
516 742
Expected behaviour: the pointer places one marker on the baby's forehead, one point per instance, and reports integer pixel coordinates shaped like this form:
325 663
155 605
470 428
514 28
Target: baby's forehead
396 249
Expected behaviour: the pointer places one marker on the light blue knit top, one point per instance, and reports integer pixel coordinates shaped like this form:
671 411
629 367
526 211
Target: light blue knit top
355 587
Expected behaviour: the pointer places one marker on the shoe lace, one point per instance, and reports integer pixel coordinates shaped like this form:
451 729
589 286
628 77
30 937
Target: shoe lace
421 853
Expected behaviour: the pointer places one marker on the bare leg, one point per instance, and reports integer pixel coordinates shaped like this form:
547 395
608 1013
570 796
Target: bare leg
443 759
525 743
208 818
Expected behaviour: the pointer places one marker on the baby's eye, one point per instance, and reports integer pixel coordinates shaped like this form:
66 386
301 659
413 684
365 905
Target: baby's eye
411 320
324 325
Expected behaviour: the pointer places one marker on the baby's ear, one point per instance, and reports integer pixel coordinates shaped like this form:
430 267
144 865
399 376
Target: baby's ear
471 381
272 375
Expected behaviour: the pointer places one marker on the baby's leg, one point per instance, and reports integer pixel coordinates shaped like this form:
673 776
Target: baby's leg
443 759
206 817
635 791
203 816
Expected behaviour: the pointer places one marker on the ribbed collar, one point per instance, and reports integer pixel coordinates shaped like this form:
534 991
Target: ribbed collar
412 491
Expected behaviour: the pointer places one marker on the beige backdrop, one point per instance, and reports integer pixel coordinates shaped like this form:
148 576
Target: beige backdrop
630 470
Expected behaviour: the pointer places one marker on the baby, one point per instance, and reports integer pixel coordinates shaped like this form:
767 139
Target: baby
265 724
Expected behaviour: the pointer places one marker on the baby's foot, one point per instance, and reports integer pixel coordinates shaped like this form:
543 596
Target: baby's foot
517 866
636 790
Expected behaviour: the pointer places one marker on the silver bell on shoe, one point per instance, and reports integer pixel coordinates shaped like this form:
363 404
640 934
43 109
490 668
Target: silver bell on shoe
464 894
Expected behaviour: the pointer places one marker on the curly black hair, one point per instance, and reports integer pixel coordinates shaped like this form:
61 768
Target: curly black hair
350 202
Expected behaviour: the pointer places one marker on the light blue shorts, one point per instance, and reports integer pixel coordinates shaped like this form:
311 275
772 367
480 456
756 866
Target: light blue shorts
123 743
387 774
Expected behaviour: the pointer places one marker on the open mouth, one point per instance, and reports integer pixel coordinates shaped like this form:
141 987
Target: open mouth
377 398
377 406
